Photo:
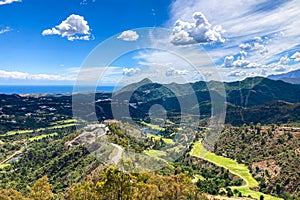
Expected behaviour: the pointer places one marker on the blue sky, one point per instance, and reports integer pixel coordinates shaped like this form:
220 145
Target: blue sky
243 38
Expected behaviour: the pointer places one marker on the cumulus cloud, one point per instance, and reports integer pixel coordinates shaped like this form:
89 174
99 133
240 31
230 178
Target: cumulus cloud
240 20
130 71
281 65
258 39
3 2
261 48
26 76
6 29
75 27
237 74
256 46
296 57
228 61
246 46
199 31
176 72
129 35
284 60
242 63
238 63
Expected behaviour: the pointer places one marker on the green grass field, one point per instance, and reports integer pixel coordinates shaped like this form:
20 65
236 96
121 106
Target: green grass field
4 165
61 126
68 121
157 137
234 167
10 133
42 136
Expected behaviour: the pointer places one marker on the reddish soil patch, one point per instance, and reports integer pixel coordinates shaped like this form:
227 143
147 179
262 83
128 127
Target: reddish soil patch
269 165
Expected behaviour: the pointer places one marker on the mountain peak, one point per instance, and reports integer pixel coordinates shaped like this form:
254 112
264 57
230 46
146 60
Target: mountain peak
145 81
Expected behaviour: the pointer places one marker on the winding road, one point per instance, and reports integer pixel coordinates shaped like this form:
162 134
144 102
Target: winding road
115 159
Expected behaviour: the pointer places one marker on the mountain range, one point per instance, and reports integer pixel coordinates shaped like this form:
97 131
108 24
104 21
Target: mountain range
254 99
290 77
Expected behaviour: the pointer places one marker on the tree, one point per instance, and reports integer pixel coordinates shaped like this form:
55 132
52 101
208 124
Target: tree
147 191
251 125
11 195
258 127
83 191
229 192
41 190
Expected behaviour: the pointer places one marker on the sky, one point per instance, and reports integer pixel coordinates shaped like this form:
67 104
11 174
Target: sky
50 42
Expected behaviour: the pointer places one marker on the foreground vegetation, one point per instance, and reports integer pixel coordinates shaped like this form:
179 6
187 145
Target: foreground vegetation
112 184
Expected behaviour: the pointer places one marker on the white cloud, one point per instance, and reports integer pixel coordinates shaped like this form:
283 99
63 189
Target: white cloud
191 63
280 66
256 46
258 39
284 60
175 72
241 19
198 31
229 62
6 29
242 63
26 76
85 2
245 46
272 25
3 2
262 49
129 35
296 57
130 71
238 73
75 27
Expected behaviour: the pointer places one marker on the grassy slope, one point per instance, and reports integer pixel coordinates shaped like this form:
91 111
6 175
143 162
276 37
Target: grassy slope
3 165
42 136
11 133
155 153
157 137
68 121
235 168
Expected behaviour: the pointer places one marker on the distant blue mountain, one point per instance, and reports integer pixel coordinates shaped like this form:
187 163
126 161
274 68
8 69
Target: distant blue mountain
290 77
